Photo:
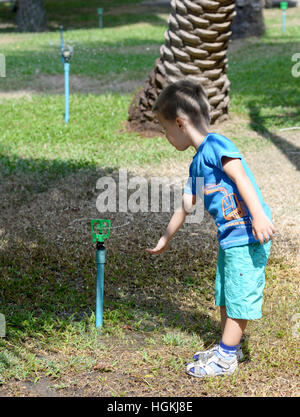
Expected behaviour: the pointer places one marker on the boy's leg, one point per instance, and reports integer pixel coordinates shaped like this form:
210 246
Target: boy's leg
222 359
201 355
233 331
223 316
243 290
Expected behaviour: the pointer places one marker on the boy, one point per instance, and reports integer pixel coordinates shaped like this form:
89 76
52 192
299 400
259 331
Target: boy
243 219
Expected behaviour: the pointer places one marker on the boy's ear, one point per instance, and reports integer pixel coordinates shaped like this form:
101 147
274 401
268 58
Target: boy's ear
179 123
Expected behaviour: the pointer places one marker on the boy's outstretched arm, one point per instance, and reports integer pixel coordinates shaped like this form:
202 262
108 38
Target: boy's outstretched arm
262 227
176 222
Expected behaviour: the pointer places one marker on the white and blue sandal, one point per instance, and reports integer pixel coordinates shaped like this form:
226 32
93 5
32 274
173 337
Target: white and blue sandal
205 354
214 365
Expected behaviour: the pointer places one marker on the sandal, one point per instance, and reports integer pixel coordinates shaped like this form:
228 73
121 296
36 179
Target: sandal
205 354
214 365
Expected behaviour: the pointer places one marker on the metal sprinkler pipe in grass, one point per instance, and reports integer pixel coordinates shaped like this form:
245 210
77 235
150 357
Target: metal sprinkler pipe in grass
100 231
66 54
283 5
61 28
100 16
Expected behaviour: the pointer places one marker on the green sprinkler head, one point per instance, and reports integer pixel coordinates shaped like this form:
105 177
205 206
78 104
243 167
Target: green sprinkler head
284 5
100 230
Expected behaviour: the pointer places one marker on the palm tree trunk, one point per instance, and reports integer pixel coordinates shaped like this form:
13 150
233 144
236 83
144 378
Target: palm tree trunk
195 48
31 16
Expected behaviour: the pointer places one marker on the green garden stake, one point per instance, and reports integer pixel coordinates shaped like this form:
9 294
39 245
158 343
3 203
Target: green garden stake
100 15
100 231
283 5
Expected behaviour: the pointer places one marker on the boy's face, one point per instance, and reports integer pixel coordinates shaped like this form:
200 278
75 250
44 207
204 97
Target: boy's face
174 131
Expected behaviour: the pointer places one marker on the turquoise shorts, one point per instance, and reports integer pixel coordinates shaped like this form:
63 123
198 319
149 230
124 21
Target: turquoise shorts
240 279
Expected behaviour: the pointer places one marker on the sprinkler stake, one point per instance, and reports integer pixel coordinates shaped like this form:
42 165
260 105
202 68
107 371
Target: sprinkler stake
100 231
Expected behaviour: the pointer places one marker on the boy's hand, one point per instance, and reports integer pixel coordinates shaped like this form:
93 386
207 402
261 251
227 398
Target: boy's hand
160 247
262 228
176 222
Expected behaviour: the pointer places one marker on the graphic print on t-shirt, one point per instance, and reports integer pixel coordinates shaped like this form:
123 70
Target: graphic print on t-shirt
232 208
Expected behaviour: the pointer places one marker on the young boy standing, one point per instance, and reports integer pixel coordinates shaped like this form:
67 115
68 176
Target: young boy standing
243 219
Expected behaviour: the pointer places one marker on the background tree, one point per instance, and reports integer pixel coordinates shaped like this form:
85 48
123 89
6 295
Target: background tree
31 16
268 3
196 44
249 20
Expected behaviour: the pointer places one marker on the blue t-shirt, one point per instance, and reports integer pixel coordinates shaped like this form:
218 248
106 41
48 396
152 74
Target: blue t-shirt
221 196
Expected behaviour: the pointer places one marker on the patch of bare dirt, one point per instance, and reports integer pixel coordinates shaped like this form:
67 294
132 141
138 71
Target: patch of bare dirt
78 84
16 94
54 84
45 387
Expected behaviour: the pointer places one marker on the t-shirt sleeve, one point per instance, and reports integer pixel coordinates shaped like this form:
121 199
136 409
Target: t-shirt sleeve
190 187
194 183
217 148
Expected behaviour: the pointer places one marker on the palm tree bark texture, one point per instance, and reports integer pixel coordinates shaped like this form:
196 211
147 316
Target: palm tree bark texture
195 48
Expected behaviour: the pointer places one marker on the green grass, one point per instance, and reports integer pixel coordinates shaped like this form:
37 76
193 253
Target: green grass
87 141
156 312
262 82
96 53
271 101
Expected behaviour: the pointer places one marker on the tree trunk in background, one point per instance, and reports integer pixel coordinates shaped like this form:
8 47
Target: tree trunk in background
249 20
195 48
31 16
268 3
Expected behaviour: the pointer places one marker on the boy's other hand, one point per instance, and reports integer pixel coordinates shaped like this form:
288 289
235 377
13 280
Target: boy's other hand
263 229
160 247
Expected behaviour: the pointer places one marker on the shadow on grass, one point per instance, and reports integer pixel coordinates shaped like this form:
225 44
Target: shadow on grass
267 90
47 259
257 123
79 15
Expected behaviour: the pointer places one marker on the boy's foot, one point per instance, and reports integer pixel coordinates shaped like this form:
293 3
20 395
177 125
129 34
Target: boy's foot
205 354
214 365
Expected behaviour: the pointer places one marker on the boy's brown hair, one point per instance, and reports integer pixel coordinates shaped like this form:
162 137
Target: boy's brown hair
186 97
